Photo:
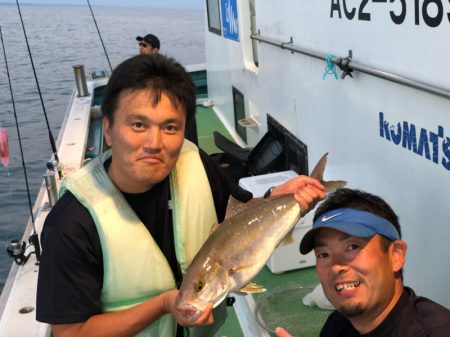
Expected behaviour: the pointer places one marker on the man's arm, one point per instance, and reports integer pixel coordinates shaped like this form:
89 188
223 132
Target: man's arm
131 321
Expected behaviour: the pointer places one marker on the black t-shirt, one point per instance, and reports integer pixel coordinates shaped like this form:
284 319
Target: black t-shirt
71 268
412 316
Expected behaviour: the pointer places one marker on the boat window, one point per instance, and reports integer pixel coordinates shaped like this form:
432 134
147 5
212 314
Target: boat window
213 11
239 113
254 31
249 46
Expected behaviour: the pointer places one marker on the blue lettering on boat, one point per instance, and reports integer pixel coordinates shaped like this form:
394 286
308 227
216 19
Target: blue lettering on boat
423 142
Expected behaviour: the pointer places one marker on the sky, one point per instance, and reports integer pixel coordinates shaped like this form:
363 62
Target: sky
181 4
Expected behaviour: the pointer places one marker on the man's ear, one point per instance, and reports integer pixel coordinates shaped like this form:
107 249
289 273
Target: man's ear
107 131
398 254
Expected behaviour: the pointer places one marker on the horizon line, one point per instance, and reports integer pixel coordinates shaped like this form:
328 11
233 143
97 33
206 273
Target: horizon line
96 5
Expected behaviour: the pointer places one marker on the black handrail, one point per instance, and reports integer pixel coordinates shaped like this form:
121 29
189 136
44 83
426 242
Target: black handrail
347 66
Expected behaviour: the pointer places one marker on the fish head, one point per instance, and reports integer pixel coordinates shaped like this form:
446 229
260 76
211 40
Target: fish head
208 283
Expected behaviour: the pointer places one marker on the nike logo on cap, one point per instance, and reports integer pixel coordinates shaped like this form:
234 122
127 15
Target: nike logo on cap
326 218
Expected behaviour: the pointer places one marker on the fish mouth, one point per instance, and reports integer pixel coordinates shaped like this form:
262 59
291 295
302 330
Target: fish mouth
347 285
190 312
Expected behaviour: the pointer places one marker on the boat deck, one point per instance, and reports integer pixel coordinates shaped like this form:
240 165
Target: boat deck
242 319
207 123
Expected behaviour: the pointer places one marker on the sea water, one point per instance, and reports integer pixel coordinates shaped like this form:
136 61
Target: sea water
59 38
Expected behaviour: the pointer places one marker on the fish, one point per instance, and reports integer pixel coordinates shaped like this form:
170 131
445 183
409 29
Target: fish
239 247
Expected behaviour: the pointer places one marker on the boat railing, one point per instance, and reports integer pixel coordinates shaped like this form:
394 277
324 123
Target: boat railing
347 65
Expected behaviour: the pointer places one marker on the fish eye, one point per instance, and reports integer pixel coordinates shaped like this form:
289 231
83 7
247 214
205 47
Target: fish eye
198 286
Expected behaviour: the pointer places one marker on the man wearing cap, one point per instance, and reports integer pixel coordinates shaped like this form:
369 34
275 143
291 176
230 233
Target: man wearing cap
356 238
149 44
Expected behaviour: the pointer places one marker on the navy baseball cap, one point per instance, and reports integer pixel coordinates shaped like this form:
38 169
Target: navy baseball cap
150 39
357 223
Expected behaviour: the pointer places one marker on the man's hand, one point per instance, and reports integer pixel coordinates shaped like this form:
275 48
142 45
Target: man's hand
184 317
307 191
206 317
282 333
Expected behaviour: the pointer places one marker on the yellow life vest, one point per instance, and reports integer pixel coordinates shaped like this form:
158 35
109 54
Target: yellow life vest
135 269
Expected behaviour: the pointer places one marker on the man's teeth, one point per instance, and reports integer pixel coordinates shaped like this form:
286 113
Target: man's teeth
348 285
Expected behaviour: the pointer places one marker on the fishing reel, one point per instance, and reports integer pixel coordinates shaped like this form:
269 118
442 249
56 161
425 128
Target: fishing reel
19 251
16 250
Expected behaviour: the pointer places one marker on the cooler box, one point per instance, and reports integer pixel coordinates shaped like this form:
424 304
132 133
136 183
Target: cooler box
285 257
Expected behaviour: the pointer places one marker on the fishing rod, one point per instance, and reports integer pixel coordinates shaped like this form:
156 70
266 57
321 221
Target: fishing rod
100 35
52 140
16 249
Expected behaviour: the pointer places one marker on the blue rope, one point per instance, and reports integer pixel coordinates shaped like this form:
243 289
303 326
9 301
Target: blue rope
330 68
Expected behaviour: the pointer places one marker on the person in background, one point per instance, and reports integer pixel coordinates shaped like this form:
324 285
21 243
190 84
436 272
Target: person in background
149 44
356 238
129 223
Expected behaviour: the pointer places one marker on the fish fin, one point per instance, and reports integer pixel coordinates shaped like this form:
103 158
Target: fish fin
213 228
317 172
235 206
332 185
252 288
288 239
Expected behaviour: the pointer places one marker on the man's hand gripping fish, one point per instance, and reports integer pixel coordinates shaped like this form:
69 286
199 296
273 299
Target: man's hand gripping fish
240 246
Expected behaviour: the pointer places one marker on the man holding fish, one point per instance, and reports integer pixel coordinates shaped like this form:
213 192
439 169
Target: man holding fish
356 238
129 224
